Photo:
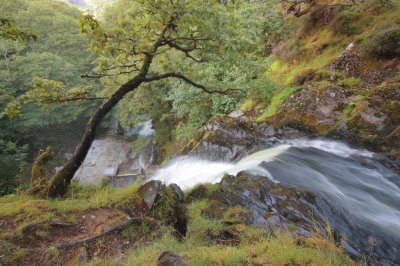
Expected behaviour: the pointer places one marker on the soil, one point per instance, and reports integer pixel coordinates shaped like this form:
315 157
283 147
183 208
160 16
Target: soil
36 242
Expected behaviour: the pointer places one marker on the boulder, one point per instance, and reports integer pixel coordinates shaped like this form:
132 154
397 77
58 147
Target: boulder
150 192
230 138
169 258
167 204
265 204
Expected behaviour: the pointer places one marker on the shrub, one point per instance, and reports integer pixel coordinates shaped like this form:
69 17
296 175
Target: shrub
386 43
344 22
351 83
276 102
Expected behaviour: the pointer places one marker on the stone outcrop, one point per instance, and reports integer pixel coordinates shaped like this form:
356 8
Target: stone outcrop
266 205
167 204
372 121
230 138
169 258
256 200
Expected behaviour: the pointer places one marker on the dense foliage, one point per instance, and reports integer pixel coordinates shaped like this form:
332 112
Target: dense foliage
220 47
239 31
38 39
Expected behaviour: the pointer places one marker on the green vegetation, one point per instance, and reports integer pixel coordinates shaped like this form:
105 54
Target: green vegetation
386 42
27 210
276 102
180 63
254 247
12 161
206 242
40 38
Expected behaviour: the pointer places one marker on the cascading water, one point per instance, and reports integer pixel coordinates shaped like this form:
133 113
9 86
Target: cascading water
362 191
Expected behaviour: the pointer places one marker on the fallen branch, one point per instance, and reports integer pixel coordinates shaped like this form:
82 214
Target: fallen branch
106 232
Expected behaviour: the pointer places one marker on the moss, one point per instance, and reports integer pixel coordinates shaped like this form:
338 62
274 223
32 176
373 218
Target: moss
38 175
276 102
164 209
171 211
254 247
236 215
350 82
199 192
26 210
15 256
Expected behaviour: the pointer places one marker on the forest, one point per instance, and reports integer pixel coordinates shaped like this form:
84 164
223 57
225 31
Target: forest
199 132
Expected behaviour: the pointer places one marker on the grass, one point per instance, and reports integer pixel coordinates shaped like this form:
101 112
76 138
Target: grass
27 210
320 44
255 248
276 102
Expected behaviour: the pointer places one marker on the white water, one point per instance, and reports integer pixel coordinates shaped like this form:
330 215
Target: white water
188 171
144 129
359 188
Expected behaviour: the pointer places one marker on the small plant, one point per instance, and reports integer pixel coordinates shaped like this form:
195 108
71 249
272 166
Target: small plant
277 101
351 83
386 43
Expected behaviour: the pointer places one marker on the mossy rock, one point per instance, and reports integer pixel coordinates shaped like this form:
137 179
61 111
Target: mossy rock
170 209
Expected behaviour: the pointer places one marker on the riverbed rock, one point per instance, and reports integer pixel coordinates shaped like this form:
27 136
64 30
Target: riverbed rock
230 138
265 204
371 122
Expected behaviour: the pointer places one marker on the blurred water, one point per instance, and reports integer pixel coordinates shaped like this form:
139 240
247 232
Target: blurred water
357 186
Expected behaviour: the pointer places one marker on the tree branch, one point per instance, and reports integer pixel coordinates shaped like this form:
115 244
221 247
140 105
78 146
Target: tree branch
186 50
80 98
190 82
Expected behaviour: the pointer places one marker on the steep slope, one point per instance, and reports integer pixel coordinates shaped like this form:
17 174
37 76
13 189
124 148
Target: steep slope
339 74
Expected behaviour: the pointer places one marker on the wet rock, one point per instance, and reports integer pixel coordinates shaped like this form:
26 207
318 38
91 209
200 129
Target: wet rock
150 192
230 138
268 205
169 258
178 192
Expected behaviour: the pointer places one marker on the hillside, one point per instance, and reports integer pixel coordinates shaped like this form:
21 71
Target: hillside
186 132
338 74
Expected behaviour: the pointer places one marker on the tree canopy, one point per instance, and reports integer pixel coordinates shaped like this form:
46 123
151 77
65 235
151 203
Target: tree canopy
39 40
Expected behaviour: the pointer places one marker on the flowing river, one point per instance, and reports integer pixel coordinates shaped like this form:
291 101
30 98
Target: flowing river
362 191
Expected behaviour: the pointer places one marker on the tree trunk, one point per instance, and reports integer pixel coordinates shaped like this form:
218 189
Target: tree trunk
60 182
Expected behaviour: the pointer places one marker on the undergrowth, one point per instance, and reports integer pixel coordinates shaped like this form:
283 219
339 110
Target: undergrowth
25 209
256 247
276 102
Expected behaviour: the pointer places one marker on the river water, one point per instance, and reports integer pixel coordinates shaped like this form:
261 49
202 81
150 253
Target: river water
362 192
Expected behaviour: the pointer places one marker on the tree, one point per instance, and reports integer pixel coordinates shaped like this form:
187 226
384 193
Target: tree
12 157
60 52
9 30
182 43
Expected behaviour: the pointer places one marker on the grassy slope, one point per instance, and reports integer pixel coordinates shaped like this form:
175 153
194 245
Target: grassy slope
256 247
314 44
25 210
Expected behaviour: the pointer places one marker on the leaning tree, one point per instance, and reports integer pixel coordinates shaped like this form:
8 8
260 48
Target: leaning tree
210 45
